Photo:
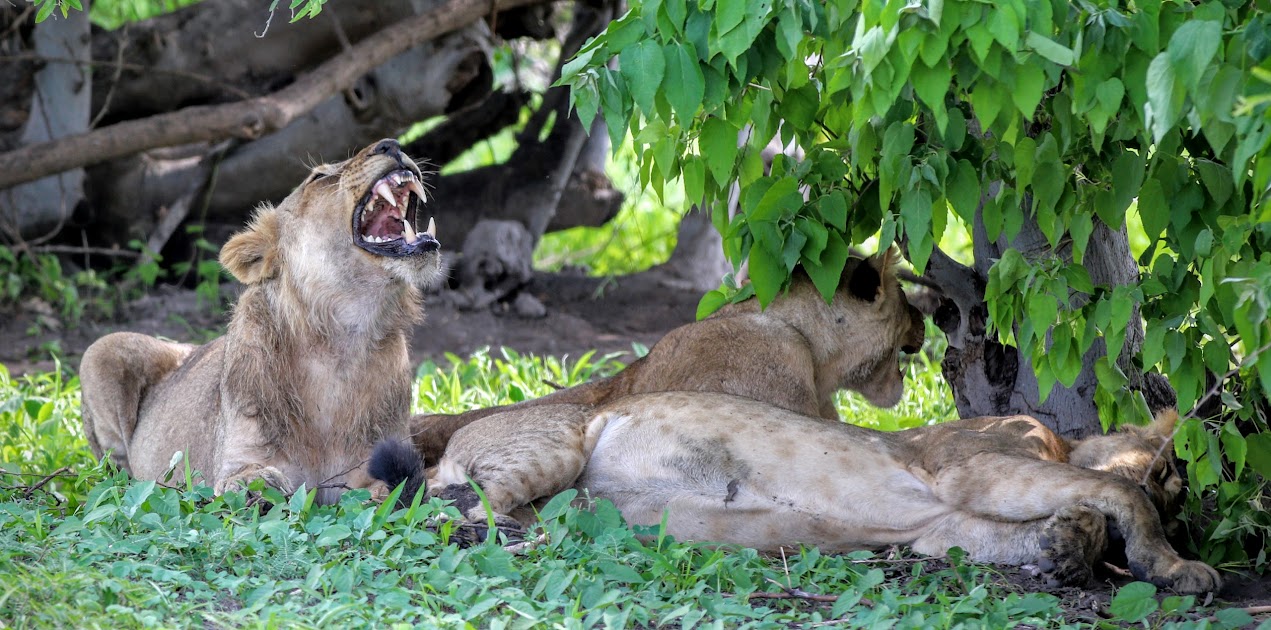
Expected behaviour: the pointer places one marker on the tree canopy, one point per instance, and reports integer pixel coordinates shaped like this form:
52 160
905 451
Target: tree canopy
1041 124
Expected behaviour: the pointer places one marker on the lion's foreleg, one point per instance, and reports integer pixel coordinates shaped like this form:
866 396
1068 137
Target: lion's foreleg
1013 488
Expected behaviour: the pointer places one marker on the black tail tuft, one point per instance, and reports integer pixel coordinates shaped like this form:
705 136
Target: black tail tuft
395 462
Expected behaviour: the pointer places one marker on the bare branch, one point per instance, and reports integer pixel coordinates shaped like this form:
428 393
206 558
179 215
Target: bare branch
245 119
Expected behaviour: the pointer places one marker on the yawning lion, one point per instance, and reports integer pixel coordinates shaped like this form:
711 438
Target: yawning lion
313 369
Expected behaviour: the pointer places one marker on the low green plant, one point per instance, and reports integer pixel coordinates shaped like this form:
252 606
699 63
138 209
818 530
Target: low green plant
207 270
41 276
483 380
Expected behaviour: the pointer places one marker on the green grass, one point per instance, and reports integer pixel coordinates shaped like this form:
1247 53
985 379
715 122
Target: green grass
92 548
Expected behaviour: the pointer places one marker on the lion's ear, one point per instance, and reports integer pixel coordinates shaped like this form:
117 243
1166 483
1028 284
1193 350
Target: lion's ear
252 255
1162 426
870 275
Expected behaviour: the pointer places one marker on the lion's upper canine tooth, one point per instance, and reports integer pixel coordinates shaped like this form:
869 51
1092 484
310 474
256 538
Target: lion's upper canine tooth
432 228
408 232
414 186
382 189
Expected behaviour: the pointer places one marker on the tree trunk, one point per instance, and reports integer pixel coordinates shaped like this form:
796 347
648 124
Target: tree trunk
58 106
989 378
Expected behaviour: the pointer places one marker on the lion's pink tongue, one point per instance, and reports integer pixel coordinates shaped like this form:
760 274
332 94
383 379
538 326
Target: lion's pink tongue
385 224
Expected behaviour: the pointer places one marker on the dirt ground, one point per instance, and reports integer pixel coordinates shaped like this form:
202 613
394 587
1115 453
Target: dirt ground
582 314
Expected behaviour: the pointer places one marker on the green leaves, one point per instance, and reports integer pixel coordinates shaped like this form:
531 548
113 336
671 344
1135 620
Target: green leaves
685 86
643 67
1070 114
1049 48
1164 100
1191 48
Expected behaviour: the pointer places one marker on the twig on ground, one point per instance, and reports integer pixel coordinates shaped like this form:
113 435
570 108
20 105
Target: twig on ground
526 545
792 592
1116 570
43 482
72 249
796 593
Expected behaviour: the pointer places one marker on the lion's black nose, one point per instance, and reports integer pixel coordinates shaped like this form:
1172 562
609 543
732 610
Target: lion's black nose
389 147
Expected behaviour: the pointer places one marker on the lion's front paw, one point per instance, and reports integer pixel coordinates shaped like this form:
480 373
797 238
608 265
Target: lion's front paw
1071 541
379 491
240 480
1188 577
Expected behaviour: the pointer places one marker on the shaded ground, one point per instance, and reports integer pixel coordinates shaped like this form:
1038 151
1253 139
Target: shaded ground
582 314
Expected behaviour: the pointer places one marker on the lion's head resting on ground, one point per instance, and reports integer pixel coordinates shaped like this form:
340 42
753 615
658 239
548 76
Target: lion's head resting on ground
359 217
1144 455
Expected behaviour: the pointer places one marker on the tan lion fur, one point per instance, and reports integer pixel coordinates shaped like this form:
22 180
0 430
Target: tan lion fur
729 469
795 354
312 371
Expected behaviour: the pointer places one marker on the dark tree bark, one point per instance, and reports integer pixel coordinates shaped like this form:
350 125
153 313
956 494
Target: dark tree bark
990 378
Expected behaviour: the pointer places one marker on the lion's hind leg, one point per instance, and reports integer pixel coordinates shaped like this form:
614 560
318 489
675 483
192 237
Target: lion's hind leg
516 457
115 375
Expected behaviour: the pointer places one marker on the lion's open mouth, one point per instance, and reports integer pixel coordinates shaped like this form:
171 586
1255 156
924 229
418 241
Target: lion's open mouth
384 220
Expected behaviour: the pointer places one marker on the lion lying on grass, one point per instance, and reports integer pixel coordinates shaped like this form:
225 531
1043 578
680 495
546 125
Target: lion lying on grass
729 469
313 369
769 470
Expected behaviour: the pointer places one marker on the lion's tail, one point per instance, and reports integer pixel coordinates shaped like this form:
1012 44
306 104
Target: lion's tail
395 462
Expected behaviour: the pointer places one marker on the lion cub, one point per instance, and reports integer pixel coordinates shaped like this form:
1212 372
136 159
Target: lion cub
313 369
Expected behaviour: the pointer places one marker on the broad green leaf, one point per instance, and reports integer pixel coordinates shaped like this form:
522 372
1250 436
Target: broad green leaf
718 143
1153 209
729 14
987 101
827 275
685 86
1004 25
1217 180
1030 81
694 170
1234 447
833 209
816 236
643 67
1164 99
964 191
1049 48
1258 453
798 107
767 274
782 198
932 84
332 534
711 302
1191 48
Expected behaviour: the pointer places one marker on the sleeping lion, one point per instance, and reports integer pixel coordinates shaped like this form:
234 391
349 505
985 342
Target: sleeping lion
313 369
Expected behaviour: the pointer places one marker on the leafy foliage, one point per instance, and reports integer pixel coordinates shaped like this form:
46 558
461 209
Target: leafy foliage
1049 116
